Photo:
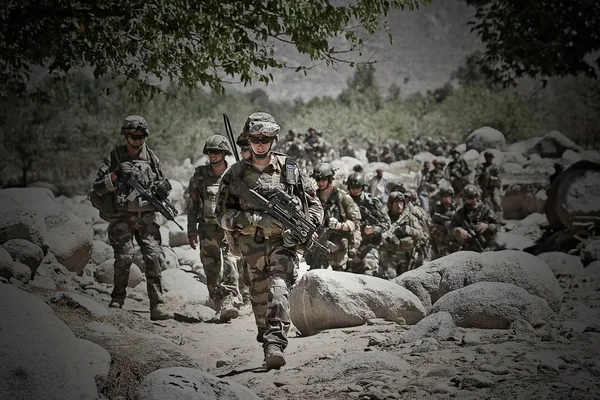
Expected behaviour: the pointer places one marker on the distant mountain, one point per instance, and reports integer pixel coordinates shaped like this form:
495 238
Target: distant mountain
428 45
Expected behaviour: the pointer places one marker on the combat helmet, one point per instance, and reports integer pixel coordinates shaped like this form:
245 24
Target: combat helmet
217 142
395 196
489 153
323 170
134 123
356 179
260 123
471 191
446 190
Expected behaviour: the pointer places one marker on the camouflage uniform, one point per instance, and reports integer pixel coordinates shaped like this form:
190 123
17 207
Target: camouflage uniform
271 264
372 152
220 266
468 218
374 214
347 150
133 218
487 177
442 239
340 205
458 171
386 155
401 242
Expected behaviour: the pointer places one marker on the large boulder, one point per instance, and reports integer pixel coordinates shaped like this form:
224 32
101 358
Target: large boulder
424 156
522 199
553 144
26 252
439 326
510 241
41 357
6 262
493 305
436 278
485 138
573 196
523 146
179 383
325 299
101 251
16 223
105 272
181 289
70 239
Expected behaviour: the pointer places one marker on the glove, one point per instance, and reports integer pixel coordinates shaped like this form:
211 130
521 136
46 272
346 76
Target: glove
263 220
400 230
288 238
125 169
334 224
162 189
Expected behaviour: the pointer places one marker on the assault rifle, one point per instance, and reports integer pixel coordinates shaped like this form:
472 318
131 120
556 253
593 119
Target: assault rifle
285 209
162 206
475 237
364 212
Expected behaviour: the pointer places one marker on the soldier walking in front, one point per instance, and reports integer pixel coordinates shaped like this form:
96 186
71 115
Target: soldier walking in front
133 216
270 252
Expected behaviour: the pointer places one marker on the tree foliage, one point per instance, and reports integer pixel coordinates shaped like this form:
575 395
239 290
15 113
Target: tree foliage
538 38
188 41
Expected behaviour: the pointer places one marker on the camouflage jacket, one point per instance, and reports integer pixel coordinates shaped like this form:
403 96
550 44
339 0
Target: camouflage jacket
150 172
434 177
347 151
422 216
441 217
202 200
458 169
470 217
341 206
373 213
230 205
372 154
405 234
487 176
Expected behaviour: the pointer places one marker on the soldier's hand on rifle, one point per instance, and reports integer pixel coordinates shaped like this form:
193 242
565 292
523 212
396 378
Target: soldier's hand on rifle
162 189
193 239
481 227
125 169
264 220
288 238
369 230
334 224
464 234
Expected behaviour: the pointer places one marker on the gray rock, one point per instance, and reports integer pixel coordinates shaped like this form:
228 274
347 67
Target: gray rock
20 272
324 299
41 357
188 383
79 301
70 239
493 305
591 252
439 326
101 327
476 381
553 144
97 356
436 278
6 262
521 328
26 252
43 282
563 264
101 252
485 138
579 318
104 273
510 241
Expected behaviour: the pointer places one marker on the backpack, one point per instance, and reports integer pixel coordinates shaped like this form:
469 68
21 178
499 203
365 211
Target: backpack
107 204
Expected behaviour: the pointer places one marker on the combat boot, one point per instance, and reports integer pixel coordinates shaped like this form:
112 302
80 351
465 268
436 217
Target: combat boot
246 308
116 303
227 309
274 358
159 313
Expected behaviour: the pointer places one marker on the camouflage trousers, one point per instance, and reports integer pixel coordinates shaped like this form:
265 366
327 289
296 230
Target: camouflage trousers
337 257
443 243
244 289
492 196
366 261
395 263
122 229
270 271
220 266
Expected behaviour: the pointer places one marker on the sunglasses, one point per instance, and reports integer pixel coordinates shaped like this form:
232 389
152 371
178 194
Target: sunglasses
261 140
214 151
137 137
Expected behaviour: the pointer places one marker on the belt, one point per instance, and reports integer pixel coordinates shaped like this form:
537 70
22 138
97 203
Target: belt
250 230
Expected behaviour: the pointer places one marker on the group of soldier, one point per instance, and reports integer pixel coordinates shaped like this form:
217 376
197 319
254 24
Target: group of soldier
249 257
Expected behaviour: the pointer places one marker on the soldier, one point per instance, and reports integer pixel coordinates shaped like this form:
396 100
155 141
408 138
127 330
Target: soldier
378 186
347 150
218 263
399 249
342 218
134 217
401 152
386 155
374 221
372 152
458 171
270 252
422 187
487 178
443 241
474 224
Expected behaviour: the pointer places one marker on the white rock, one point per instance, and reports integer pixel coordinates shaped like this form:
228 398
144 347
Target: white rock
512 168
471 157
563 264
76 300
553 144
436 278
591 251
41 351
510 241
424 156
325 299
179 383
43 282
534 219
578 317
104 273
485 138
17 223
98 358
523 146
20 272
439 326
6 262
101 251
350 365
516 158
26 252
70 239
493 305
569 157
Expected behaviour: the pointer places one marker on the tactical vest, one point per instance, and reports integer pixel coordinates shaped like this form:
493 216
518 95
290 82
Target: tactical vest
208 186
